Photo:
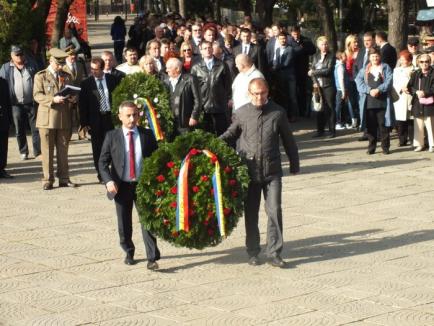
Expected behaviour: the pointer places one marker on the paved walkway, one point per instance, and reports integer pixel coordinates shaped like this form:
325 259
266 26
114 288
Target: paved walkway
359 237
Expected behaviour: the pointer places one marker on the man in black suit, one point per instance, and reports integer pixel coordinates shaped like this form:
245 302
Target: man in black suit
362 58
252 50
388 52
303 48
283 77
5 118
184 96
94 104
120 165
109 66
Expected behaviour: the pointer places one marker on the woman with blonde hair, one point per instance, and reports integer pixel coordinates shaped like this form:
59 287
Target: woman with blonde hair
322 76
187 56
421 87
147 65
351 51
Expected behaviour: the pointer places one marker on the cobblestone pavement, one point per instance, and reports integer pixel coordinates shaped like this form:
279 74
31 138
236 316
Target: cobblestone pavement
359 242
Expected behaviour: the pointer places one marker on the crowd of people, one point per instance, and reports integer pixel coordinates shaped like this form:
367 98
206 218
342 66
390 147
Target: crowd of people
217 74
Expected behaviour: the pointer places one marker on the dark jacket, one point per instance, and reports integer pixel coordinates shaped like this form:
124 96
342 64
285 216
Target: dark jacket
302 50
5 106
88 101
325 72
427 85
111 161
185 100
255 53
388 55
215 85
119 75
7 72
285 62
258 131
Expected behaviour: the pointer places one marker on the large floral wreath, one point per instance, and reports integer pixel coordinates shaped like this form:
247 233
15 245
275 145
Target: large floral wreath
169 184
152 98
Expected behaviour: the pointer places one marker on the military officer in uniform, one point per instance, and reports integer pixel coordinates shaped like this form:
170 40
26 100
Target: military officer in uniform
54 119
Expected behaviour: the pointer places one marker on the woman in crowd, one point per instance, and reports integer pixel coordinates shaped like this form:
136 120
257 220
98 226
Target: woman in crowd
118 32
322 76
147 65
351 51
186 56
402 102
374 84
421 87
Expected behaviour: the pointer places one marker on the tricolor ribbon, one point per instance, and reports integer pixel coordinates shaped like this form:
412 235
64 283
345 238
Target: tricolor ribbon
154 123
182 207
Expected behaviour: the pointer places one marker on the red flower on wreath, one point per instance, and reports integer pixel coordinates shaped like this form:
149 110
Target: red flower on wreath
159 193
160 178
175 234
176 172
204 178
227 211
195 189
170 164
173 204
234 194
191 212
194 151
232 182
214 159
210 232
228 169
166 221
210 214
174 190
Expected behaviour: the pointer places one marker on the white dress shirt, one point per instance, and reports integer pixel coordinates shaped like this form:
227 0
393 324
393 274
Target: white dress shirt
106 92
240 86
127 69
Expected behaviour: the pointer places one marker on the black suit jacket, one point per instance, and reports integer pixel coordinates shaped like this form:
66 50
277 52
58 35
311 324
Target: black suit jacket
111 161
88 101
286 62
388 55
303 48
5 106
119 75
255 53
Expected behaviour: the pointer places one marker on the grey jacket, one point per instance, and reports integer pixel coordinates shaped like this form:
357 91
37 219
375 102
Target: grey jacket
258 131
7 72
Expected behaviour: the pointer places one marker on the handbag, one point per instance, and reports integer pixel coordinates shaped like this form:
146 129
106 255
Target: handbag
317 101
426 100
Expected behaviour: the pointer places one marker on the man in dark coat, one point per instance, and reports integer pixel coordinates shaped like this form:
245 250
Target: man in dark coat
252 50
388 52
258 126
5 117
109 66
303 48
215 88
120 165
184 96
94 104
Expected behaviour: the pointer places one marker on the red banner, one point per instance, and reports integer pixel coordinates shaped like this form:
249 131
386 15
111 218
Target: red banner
76 15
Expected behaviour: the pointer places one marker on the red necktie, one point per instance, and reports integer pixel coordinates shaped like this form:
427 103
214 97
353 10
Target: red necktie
132 156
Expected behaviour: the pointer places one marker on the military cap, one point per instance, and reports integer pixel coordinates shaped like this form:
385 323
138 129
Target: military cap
58 55
16 49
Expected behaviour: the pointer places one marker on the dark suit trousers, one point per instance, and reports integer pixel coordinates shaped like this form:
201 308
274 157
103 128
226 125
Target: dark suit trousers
124 200
273 198
98 138
328 114
3 149
215 123
375 119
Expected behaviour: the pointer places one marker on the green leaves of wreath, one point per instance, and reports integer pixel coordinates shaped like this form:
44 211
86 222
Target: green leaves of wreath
157 190
146 86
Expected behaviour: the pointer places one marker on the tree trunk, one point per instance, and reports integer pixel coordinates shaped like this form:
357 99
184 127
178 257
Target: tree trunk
163 6
181 4
173 4
246 6
216 10
265 10
398 23
59 21
327 22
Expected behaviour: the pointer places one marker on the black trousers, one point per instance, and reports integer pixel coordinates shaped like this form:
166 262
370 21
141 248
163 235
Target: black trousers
118 46
405 131
98 138
375 119
273 198
286 92
301 84
327 117
215 123
3 149
22 115
124 200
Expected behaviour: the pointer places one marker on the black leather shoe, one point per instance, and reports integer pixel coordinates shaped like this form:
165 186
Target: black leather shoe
318 134
332 134
152 265
5 175
253 261
363 138
47 186
276 262
68 184
370 152
386 151
129 260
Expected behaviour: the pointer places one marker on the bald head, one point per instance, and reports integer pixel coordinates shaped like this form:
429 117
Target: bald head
243 62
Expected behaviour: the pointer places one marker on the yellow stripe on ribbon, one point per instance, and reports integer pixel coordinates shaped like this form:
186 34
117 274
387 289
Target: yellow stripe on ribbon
154 123
182 208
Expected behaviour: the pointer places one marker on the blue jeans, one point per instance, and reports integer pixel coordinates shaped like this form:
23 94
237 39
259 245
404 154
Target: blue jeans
22 115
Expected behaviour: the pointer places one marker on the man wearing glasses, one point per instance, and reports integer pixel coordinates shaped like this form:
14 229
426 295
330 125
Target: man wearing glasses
258 125
196 38
54 118
19 75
